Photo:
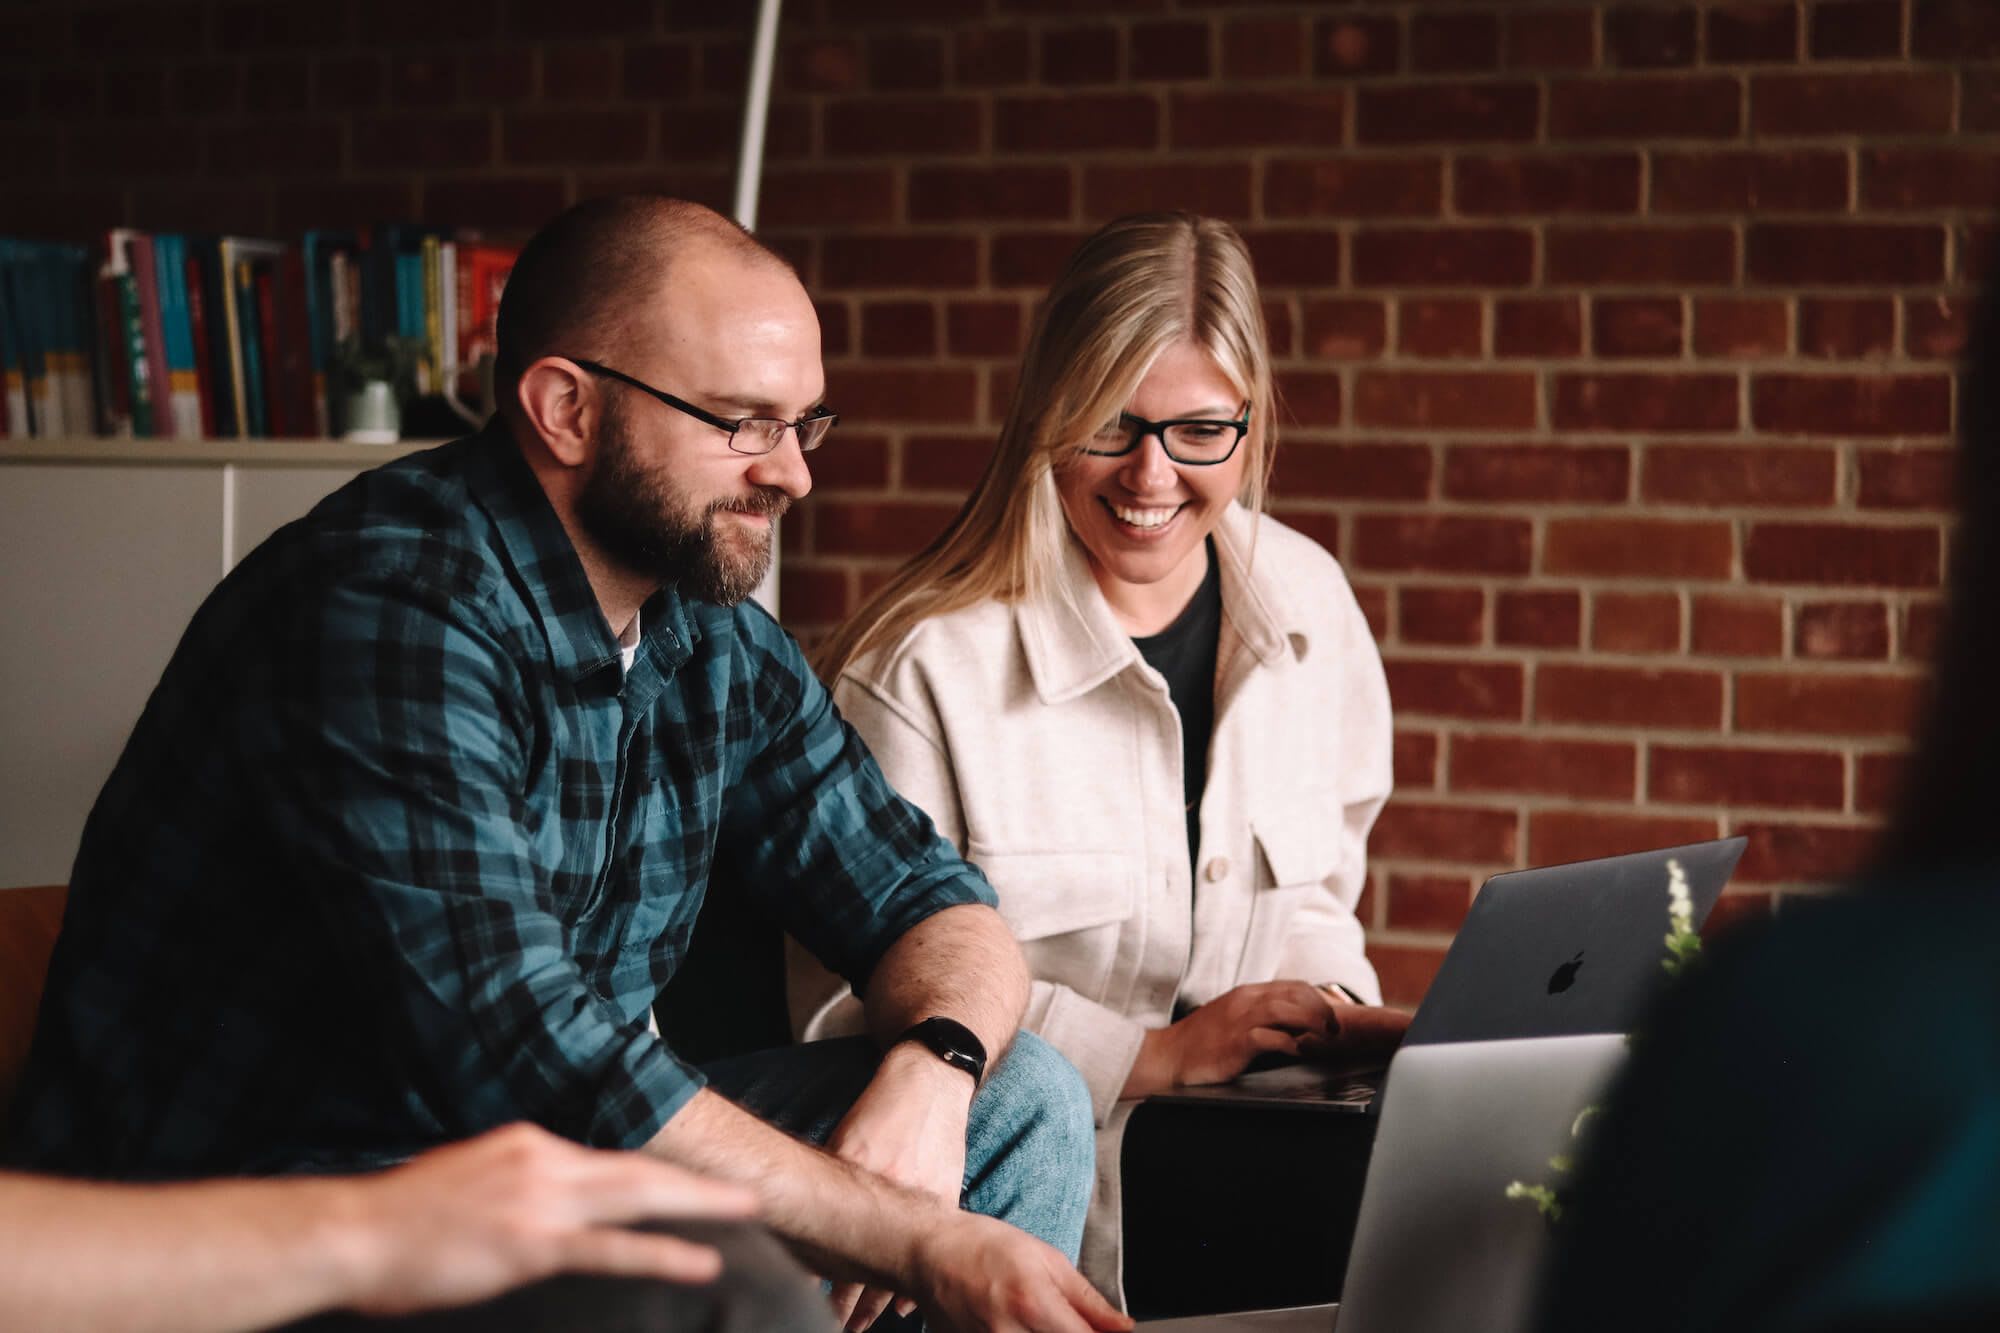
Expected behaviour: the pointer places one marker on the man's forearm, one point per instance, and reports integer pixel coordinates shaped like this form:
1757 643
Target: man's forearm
961 963
842 1221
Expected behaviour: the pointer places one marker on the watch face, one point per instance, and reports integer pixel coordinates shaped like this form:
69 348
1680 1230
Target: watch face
952 1042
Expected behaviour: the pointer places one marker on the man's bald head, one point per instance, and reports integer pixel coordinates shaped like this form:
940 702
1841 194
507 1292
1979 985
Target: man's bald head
585 283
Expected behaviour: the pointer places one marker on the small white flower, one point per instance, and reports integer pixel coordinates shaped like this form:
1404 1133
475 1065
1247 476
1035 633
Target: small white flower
1680 903
1682 942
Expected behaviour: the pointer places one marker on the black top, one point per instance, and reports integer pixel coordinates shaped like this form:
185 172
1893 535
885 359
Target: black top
1185 653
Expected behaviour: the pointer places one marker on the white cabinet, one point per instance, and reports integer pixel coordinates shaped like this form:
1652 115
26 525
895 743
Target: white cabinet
106 549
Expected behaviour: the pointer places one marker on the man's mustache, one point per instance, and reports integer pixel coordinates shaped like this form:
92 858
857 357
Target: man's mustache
768 501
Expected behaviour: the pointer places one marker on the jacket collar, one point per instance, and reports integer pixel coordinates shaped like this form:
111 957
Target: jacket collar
1074 643
550 577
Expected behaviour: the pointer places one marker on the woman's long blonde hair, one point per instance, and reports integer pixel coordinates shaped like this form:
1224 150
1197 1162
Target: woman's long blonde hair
1138 286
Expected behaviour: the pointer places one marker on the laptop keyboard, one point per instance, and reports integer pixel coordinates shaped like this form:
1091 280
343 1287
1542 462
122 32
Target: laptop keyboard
1301 1084
1355 1092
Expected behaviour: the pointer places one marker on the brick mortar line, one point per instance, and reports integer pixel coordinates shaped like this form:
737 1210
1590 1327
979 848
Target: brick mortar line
1643 736
1552 510
1521 810
1587 807
1790 594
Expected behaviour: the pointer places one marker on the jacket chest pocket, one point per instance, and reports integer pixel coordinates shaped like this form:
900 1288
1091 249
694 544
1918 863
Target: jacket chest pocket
1292 864
1068 909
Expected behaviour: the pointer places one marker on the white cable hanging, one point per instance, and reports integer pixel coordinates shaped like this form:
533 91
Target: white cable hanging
749 175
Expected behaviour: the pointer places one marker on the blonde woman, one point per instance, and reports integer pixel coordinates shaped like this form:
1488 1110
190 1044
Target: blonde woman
1156 719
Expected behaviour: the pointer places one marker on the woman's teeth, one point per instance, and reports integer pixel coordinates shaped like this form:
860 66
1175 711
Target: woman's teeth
1144 518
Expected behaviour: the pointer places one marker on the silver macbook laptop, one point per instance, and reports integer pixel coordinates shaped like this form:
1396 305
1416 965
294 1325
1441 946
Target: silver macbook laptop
1555 951
1439 1244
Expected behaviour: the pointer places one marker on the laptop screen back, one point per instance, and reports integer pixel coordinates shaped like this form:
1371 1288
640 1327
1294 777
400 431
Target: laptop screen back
1439 1247
1566 950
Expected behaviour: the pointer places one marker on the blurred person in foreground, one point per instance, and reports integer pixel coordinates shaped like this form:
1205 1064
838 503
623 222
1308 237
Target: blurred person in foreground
1790 1150
458 1225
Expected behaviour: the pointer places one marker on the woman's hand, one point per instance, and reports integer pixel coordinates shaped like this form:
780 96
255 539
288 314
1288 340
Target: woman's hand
1362 1032
1217 1041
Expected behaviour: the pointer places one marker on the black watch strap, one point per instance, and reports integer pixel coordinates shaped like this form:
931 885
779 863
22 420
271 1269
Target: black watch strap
952 1042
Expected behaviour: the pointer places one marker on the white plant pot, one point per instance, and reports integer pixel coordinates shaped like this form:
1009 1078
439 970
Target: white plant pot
372 414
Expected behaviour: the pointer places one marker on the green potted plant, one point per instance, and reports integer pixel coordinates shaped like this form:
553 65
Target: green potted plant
368 385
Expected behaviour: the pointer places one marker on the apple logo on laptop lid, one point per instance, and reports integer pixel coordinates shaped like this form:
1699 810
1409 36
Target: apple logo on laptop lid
1564 977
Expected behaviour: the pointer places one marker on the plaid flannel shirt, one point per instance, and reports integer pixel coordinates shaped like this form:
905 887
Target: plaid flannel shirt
396 853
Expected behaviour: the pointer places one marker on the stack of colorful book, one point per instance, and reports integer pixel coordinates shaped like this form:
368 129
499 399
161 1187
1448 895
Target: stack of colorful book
163 336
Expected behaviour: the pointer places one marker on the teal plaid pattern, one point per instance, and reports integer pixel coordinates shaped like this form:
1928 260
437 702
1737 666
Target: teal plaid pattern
396 853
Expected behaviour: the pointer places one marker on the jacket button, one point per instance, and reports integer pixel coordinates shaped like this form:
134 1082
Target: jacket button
1217 869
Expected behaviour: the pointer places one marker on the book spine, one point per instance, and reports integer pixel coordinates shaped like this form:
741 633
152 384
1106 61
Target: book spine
367 319
115 383
319 253
410 300
491 265
197 311
294 343
14 340
252 351
34 345
431 367
71 290
377 286
468 305
158 382
13 386
183 380
448 309
232 314
133 327
276 423
54 417
215 348
345 280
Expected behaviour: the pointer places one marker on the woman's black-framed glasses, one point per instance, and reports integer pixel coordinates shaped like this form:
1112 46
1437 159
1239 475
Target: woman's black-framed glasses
1189 441
747 435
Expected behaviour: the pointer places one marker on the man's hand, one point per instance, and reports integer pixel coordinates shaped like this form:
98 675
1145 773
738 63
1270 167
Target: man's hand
908 1126
464 1223
977 1274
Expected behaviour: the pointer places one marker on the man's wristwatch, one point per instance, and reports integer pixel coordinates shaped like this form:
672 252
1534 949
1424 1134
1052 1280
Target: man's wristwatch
952 1042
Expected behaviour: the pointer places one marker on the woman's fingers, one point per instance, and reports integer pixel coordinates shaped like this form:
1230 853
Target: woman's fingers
1274 1039
869 1308
845 1296
1292 1005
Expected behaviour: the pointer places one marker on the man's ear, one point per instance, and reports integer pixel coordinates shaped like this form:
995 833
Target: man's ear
561 406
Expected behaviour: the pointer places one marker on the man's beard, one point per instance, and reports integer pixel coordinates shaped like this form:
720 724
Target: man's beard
648 525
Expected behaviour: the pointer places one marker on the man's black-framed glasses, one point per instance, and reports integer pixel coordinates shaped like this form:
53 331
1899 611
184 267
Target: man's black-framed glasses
1189 441
747 435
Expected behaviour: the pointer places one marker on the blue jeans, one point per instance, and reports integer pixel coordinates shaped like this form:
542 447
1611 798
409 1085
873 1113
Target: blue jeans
1030 1149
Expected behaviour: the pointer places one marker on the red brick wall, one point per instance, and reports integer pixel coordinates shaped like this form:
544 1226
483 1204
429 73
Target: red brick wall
1616 338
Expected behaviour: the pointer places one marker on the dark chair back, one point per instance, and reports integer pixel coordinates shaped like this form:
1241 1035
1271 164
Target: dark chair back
29 922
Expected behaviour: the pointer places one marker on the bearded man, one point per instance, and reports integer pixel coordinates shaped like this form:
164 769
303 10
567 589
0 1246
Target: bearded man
417 823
